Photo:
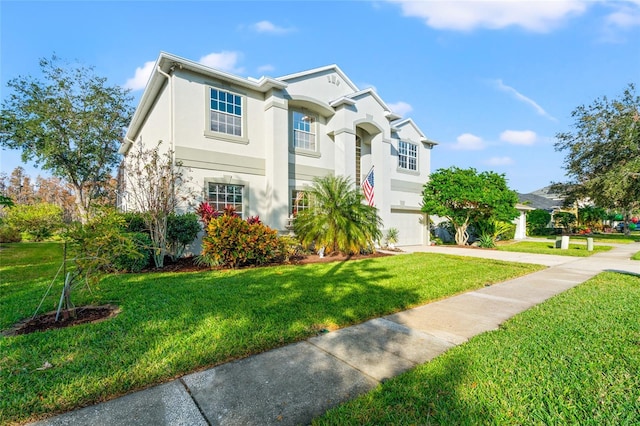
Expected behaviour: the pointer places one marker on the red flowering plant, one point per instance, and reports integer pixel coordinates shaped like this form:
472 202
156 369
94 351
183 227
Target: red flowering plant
232 242
206 213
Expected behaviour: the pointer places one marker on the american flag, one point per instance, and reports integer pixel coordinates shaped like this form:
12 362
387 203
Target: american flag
367 187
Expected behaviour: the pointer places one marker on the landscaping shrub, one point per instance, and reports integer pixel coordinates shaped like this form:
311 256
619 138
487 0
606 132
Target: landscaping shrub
9 234
537 221
182 230
508 233
291 247
486 241
102 244
134 222
233 242
38 221
137 260
566 220
491 230
206 213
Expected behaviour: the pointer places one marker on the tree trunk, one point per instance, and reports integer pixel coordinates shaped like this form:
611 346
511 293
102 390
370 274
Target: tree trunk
82 204
461 233
158 231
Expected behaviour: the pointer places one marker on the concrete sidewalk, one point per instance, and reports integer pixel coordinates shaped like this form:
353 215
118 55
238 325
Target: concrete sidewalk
293 384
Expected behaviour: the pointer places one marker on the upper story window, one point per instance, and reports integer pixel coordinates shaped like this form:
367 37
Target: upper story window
226 112
304 131
407 156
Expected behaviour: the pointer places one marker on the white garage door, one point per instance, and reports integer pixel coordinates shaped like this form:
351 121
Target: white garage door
410 227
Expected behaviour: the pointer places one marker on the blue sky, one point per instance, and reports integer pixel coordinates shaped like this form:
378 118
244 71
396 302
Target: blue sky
492 82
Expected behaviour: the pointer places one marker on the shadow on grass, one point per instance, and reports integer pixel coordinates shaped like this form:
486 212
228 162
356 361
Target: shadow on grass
172 324
175 323
433 393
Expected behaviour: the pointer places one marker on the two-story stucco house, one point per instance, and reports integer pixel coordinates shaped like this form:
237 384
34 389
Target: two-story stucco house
256 143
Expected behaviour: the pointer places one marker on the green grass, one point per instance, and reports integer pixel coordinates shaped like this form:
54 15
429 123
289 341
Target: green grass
535 247
572 360
636 256
174 323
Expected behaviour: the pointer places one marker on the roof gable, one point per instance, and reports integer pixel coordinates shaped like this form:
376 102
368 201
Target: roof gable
397 126
327 70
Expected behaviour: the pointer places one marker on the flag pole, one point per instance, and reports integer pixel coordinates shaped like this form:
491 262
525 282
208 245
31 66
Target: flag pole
366 176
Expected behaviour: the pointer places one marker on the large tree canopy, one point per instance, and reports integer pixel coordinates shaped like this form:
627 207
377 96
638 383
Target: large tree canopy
464 196
69 123
603 152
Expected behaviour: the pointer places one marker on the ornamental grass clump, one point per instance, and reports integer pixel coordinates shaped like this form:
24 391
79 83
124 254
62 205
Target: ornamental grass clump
232 242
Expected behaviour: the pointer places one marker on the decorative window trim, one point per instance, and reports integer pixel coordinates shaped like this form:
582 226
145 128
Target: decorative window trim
408 169
227 180
315 152
208 133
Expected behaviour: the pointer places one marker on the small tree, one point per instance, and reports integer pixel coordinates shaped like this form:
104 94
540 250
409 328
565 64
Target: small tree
93 247
464 196
337 219
70 124
157 186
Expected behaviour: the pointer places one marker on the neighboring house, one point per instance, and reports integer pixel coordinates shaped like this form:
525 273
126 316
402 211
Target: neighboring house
543 199
256 144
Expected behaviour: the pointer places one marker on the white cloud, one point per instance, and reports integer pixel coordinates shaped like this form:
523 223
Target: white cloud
468 142
537 16
626 14
266 68
499 161
400 108
519 137
270 28
141 76
522 98
225 61
623 18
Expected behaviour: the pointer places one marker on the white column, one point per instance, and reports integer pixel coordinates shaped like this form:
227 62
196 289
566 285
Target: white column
276 136
345 153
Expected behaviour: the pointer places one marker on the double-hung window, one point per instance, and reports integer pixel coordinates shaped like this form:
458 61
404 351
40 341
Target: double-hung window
407 156
304 131
220 196
225 112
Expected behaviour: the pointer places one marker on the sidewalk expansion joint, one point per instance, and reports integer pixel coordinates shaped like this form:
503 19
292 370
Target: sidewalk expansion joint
186 388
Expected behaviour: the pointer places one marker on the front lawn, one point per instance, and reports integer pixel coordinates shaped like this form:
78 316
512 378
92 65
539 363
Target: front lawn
574 359
636 256
535 247
175 323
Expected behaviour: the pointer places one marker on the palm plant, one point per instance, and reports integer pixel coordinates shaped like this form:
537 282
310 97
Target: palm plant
337 218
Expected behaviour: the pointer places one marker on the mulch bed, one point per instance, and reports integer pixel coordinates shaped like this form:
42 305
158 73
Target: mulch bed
84 314
188 264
